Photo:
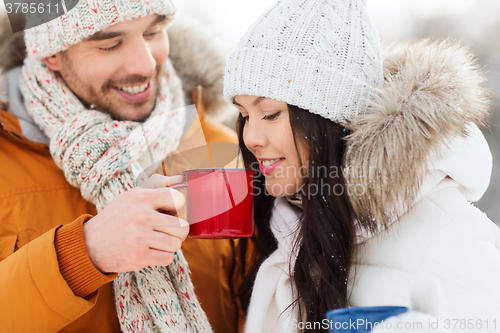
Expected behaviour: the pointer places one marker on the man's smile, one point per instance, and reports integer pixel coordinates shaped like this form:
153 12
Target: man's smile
135 94
133 90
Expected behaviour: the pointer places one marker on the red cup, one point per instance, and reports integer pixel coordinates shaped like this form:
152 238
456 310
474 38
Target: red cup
219 202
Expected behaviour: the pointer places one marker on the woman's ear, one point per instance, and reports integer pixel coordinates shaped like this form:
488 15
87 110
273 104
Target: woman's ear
53 62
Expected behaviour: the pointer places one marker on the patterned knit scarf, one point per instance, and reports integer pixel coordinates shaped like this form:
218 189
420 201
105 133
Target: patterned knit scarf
103 158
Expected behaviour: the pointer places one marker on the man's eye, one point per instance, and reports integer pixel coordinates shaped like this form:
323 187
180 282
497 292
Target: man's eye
155 32
272 117
109 48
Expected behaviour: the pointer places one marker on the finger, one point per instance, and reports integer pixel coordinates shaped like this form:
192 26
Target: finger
174 226
159 258
157 181
163 242
164 198
173 180
154 181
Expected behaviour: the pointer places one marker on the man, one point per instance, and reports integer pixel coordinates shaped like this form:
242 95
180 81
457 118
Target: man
78 92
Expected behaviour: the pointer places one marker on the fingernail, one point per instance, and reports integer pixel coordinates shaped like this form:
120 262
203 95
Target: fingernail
178 199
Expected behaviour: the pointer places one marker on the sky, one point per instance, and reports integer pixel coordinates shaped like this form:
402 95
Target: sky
392 17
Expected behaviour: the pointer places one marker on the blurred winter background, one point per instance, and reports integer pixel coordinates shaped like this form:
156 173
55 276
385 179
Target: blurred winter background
473 22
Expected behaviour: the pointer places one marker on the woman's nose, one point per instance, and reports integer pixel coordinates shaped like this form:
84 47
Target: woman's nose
254 136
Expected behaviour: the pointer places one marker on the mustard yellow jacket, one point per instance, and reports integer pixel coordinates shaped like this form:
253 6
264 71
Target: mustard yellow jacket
47 282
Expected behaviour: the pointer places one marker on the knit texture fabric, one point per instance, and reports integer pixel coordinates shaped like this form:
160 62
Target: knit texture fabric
85 19
103 158
170 303
320 55
100 156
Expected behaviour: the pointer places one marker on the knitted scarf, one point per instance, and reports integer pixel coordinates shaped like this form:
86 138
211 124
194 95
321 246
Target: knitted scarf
274 290
103 158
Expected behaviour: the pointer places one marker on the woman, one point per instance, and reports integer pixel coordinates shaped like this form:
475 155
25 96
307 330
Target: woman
365 171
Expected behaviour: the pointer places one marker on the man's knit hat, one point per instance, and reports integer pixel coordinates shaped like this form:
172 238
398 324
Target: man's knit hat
85 19
320 55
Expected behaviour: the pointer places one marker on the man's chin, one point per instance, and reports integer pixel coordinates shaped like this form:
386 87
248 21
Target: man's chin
139 112
134 115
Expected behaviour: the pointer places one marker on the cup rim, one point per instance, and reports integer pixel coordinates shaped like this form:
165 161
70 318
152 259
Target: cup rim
366 310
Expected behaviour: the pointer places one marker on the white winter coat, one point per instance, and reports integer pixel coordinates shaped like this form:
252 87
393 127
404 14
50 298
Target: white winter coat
434 251
442 238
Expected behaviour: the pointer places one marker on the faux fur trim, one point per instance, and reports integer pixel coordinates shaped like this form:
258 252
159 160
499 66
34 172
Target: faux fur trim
196 52
12 48
199 57
431 91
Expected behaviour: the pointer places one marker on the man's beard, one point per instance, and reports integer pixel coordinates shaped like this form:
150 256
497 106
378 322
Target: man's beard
100 100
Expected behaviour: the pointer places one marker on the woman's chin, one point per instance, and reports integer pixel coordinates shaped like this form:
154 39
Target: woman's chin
278 191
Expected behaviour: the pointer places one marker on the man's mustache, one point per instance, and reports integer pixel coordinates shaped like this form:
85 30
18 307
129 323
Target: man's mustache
133 79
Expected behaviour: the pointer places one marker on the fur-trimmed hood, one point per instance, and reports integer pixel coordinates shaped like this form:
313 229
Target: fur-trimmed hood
420 121
197 54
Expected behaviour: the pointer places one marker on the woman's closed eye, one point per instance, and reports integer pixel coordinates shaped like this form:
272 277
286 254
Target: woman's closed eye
272 117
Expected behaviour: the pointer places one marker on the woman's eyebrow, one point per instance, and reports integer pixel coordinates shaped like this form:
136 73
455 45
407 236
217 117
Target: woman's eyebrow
257 101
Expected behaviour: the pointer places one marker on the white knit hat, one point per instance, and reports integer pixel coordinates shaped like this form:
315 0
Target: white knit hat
320 55
84 20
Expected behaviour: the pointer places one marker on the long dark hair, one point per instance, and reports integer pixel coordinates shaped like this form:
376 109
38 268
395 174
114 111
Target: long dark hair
326 231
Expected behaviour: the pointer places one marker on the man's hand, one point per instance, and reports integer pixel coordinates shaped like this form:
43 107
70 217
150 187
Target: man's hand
130 233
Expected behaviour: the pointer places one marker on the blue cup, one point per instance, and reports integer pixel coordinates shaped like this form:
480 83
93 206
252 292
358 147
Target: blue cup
362 319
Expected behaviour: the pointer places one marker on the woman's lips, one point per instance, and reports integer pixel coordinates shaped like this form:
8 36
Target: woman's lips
270 168
137 98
